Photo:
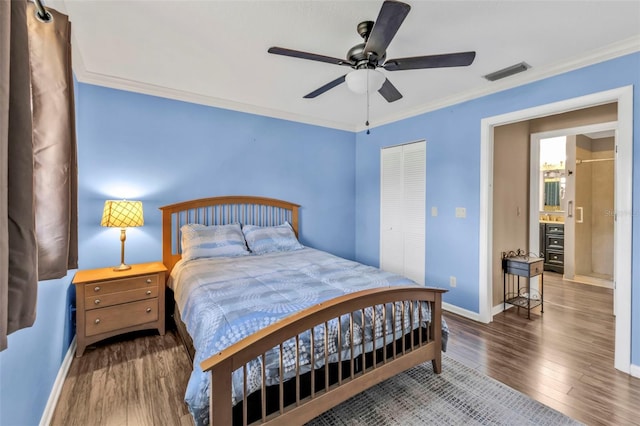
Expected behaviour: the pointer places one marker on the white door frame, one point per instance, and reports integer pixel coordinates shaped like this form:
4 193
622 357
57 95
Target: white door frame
623 206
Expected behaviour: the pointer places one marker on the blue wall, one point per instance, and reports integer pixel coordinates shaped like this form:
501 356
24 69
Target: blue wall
28 368
453 176
162 151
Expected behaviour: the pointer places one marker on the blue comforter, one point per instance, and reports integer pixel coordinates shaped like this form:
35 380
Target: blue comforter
223 300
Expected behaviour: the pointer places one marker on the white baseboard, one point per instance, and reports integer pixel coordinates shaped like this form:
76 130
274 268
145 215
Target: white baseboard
47 415
634 370
461 311
499 308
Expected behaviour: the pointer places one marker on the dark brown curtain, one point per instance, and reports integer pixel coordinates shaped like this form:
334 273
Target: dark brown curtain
38 173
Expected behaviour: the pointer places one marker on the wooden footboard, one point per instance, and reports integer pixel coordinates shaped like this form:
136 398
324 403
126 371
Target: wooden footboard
357 372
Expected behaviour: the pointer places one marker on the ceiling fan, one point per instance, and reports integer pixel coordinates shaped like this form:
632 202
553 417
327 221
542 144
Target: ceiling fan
365 57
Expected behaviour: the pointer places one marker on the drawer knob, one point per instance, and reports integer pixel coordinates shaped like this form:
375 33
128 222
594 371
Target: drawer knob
97 301
148 310
555 257
97 288
97 321
148 292
148 280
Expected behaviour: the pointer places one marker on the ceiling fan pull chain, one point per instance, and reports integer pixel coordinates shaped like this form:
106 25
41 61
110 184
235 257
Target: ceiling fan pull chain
367 122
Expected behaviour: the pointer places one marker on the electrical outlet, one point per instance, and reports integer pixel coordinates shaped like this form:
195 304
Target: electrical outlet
461 212
434 211
452 281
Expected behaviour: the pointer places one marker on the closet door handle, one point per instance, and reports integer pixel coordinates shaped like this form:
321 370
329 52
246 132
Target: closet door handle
579 211
570 209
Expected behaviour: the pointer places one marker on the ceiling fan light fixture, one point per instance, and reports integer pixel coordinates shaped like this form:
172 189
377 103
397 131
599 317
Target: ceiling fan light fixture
357 80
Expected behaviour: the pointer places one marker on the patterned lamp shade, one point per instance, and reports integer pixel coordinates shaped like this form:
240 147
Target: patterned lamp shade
122 214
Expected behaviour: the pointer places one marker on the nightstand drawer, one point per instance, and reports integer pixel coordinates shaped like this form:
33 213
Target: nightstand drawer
124 284
101 300
523 268
120 316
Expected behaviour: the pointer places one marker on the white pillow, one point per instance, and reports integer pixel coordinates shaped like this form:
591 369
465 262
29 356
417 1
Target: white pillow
267 239
212 241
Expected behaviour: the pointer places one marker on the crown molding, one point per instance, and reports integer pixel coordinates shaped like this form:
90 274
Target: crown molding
612 51
112 82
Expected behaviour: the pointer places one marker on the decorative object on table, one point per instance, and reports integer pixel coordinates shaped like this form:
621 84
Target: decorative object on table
122 214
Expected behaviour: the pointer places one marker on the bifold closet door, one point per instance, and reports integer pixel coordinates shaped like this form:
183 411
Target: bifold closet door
402 210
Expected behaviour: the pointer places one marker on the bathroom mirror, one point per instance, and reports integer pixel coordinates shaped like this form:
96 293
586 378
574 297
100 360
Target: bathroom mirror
552 190
552 174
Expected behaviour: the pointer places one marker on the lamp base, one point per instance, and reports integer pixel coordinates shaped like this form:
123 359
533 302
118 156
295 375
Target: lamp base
122 267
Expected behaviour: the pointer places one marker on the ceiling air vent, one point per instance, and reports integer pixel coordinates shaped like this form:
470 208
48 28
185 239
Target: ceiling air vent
506 72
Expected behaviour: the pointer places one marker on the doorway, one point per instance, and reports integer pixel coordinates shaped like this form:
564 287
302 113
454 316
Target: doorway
572 187
623 204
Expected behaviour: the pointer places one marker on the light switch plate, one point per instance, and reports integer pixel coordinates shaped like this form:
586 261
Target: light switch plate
461 212
434 211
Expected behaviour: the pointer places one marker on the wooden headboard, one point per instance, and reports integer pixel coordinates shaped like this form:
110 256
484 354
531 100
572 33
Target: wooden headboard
246 210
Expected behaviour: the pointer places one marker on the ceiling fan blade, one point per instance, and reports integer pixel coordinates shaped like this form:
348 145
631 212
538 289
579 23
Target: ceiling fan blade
461 59
306 55
325 88
389 91
391 16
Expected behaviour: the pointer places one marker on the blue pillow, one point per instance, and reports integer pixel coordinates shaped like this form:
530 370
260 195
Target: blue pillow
212 241
267 239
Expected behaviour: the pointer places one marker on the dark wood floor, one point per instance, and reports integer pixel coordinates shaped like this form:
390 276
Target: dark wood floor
563 358
134 380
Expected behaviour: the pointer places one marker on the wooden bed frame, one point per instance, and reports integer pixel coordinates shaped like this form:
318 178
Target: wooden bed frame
315 392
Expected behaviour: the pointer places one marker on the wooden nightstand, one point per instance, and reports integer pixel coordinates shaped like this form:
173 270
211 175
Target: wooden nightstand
111 302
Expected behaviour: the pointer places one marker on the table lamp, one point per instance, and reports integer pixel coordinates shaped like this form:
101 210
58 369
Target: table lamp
122 214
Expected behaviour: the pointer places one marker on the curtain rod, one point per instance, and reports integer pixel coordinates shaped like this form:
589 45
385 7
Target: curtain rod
42 13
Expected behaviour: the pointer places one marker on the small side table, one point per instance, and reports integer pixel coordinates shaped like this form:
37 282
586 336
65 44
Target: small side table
521 295
111 302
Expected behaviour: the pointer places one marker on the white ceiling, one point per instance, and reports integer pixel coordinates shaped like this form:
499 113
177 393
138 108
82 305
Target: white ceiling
215 52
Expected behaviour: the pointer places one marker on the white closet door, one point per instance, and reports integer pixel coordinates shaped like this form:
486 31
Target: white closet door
414 156
402 210
391 196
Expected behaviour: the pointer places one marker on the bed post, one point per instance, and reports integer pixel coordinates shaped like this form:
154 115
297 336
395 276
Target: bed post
220 409
436 324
